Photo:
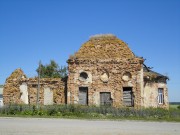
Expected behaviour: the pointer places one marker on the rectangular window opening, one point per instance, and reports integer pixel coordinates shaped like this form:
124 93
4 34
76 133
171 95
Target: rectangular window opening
160 96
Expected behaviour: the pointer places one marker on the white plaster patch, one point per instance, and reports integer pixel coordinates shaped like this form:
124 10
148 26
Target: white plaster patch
126 76
69 94
1 102
104 77
48 96
76 99
96 98
161 85
24 93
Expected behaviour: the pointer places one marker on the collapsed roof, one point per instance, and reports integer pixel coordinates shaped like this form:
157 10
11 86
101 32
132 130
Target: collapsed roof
150 75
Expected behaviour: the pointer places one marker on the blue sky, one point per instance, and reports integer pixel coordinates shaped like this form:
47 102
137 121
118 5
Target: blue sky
33 30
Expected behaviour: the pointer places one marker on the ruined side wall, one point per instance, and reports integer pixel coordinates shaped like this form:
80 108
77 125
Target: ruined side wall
56 88
115 68
151 94
20 90
11 92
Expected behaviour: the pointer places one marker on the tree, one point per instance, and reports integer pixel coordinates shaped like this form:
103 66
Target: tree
52 70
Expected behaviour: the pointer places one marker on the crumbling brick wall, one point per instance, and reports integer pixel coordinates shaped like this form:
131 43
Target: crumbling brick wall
115 83
154 81
107 65
104 55
151 95
12 92
56 85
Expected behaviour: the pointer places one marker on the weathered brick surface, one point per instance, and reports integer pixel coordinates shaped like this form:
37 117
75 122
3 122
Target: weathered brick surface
103 47
110 66
115 84
12 93
104 54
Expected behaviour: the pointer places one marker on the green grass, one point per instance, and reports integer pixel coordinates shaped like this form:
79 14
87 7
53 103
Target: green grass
173 106
91 112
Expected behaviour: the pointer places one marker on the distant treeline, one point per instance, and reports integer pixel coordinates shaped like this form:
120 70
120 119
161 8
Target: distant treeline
174 103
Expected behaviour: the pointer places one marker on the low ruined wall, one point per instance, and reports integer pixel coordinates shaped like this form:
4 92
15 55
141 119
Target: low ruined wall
21 90
52 91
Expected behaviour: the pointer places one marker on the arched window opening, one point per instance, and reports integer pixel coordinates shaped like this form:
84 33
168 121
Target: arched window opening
83 76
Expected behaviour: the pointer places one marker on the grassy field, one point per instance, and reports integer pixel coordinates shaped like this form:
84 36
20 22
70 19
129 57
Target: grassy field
174 105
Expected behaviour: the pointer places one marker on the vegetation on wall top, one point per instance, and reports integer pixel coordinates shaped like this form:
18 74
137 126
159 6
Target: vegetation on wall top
104 46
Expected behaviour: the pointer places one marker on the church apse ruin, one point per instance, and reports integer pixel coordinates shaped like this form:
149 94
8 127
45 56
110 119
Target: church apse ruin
103 72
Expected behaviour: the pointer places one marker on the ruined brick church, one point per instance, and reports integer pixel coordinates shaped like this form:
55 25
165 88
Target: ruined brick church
103 72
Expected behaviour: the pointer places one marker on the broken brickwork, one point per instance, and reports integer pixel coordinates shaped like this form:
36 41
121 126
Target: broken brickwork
106 60
19 89
103 72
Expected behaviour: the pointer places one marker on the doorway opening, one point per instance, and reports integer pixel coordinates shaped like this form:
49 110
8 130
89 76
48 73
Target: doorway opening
105 98
128 98
83 95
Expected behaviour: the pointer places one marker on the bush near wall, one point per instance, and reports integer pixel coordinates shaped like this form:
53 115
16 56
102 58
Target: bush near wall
90 112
